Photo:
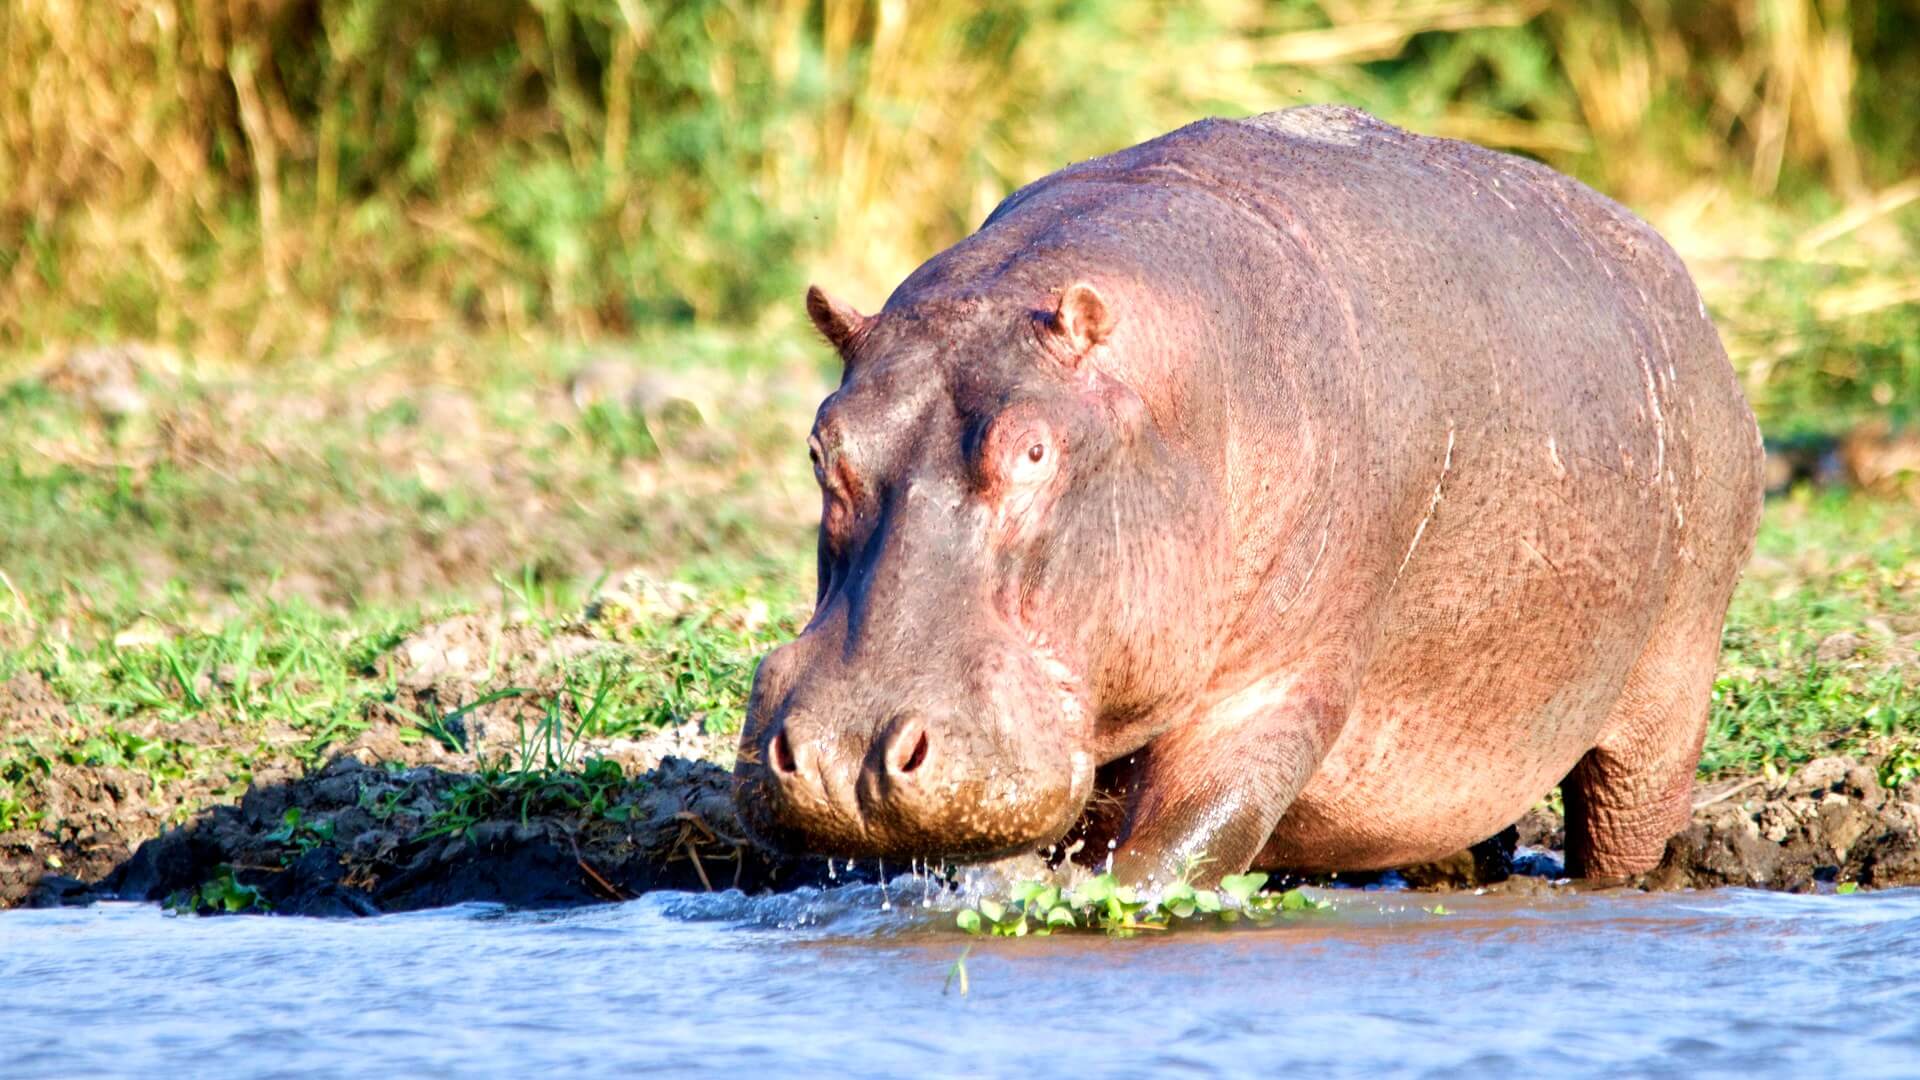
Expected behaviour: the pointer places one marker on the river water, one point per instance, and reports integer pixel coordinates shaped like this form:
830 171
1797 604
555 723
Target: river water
831 984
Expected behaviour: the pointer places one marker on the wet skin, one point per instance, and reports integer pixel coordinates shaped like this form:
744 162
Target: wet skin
1294 492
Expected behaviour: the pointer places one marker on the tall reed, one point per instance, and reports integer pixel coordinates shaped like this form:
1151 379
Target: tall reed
262 176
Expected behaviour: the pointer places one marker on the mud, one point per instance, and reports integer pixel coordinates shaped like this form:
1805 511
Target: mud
362 846
1829 823
87 820
365 844
90 817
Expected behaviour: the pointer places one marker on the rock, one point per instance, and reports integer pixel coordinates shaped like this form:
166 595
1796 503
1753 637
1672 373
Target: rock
1541 828
1710 853
1839 646
1820 775
1842 822
1861 783
1890 860
58 891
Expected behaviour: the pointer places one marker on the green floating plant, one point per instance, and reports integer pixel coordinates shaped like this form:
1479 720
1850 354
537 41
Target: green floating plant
1102 903
222 894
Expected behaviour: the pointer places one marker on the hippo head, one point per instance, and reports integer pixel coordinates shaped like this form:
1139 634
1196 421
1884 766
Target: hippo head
1005 537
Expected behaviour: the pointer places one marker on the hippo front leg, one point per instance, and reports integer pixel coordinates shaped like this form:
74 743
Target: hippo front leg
1208 794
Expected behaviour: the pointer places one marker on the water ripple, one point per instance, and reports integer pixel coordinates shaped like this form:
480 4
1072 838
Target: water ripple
822 982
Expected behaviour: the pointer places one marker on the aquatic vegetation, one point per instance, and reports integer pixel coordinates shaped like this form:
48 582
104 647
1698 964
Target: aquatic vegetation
957 972
1102 903
220 895
300 834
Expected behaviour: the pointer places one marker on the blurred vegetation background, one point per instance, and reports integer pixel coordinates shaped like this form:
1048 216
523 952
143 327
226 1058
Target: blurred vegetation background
256 179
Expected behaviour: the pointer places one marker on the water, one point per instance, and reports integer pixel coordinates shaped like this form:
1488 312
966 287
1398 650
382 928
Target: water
1730 983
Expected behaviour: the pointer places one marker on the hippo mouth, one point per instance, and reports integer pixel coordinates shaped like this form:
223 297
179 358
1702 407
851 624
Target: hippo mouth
990 814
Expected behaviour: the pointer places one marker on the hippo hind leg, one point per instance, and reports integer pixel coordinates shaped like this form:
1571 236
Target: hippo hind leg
1634 791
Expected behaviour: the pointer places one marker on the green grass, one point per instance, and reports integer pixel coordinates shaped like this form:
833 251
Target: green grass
1824 565
216 583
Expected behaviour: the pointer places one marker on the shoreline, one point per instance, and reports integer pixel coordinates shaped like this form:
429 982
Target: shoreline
364 835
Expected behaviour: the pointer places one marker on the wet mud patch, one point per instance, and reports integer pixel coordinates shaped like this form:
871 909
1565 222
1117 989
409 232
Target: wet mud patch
359 839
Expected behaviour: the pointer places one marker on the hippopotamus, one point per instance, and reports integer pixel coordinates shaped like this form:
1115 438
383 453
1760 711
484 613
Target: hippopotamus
1288 492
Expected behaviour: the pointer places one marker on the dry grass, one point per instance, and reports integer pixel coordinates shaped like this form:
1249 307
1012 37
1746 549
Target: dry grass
248 178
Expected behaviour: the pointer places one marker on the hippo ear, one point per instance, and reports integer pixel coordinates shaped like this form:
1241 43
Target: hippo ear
1083 319
839 323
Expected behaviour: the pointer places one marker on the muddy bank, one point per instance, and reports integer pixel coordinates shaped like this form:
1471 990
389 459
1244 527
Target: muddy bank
1828 824
358 838
452 792
81 791
446 790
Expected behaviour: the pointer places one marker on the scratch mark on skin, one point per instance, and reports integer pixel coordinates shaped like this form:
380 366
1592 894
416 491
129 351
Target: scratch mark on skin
1559 586
1659 419
1495 181
1582 237
1325 532
1555 248
1653 390
1433 505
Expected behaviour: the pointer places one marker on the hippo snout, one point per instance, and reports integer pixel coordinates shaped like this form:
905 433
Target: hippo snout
836 789
824 769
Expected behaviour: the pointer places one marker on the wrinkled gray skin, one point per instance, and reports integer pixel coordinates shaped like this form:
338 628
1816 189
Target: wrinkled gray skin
1294 492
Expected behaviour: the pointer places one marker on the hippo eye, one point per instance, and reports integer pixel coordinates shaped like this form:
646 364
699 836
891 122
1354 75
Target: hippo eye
819 467
1036 452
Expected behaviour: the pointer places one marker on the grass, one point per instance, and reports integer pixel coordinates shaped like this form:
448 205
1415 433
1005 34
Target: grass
231 580
1821 653
215 583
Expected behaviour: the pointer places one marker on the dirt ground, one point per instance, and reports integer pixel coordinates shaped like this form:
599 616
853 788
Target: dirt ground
1829 823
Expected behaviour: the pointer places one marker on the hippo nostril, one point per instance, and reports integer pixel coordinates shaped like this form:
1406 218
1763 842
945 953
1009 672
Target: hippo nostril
918 756
783 754
906 746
